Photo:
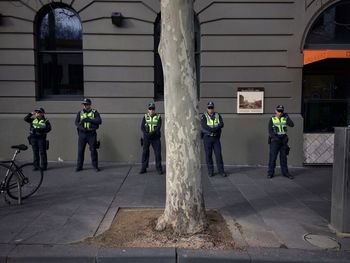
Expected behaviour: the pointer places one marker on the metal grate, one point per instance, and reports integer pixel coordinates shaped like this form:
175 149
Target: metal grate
318 148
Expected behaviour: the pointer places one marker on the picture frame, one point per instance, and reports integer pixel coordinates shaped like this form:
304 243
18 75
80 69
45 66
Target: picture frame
250 100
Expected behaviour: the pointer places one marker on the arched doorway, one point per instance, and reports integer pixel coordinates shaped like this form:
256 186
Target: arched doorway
326 82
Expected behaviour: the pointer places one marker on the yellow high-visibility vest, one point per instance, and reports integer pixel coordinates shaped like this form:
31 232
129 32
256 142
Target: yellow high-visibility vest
212 123
279 125
151 122
90 115
38 123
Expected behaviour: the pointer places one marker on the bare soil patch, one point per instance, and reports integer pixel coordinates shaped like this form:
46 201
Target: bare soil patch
135 228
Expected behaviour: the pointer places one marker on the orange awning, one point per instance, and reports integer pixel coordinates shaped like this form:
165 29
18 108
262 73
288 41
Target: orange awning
311 56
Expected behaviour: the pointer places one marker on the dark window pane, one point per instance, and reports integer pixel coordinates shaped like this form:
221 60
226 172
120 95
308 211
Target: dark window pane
59 53
324 115
332 27
60 29
326 94
61 74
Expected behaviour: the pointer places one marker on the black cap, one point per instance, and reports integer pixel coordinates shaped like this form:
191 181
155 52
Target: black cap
151 105
86 101
41 110
280 108
210 104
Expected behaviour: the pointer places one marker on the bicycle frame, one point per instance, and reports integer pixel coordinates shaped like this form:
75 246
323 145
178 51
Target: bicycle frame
12 161
13 164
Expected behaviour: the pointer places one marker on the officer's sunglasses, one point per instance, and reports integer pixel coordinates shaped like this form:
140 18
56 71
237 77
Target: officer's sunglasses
210 107
151 108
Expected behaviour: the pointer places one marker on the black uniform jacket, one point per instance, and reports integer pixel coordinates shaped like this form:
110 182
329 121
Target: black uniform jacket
208 131
272 132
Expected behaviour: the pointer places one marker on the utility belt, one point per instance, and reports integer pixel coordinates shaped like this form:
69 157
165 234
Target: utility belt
91 131
211 135
41 137
282 137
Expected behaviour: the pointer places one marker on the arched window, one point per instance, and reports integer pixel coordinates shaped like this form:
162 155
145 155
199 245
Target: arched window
158 70
331 28
59 56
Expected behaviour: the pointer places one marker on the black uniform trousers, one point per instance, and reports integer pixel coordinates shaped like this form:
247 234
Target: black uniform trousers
91 139
280 146
156 145
39 151
213 143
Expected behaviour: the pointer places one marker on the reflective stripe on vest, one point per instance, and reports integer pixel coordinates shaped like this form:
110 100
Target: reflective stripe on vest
151 122
212 123
279 125
84 115
39 124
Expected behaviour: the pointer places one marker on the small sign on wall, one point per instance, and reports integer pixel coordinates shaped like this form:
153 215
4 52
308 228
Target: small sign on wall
250 100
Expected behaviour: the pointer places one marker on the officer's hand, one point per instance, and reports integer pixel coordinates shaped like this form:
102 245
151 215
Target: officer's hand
285 115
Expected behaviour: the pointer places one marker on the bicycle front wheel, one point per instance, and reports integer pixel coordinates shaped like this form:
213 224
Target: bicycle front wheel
30 180
5 172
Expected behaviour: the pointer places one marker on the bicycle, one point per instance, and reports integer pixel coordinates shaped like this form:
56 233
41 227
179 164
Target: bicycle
19 181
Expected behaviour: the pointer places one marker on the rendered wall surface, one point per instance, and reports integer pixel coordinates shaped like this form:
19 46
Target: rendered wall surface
243 44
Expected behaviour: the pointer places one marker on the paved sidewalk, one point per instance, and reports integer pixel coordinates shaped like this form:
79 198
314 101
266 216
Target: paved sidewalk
264 214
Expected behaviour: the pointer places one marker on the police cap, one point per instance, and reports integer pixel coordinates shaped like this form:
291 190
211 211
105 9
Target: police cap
40 110
86 101
210 104
280 108
151 105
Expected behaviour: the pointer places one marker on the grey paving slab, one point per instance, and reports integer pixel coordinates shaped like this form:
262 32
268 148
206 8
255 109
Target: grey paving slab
322 208
52 254
136 255
211 256
4 251
290 232
253 228
240 178
69 206
13 224
267 213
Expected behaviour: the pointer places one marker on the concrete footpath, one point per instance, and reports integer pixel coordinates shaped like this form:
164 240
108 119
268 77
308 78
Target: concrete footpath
267 217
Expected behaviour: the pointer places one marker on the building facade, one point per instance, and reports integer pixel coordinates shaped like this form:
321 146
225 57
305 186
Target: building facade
54 53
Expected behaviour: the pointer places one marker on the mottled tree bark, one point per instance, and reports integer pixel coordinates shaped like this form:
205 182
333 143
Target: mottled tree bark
184 210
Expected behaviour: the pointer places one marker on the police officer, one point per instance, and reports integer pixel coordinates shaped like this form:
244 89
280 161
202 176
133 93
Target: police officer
87 121
39 127
211 125
150 126
278 140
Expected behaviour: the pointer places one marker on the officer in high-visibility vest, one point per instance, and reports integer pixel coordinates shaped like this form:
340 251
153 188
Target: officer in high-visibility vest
211 125
150 126
87 121
39 127
278 140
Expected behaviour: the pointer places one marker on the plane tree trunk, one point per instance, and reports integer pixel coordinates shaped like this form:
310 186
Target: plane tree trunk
184 210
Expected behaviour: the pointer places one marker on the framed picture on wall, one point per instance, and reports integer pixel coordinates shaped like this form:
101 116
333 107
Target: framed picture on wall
250 100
